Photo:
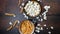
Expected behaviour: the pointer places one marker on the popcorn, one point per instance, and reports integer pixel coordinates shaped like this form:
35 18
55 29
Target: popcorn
52 27
10 23
37 31
32 8
44 24
46 7
41 28
22 4
49 32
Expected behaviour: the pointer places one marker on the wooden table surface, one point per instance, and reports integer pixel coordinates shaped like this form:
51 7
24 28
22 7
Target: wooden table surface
11 6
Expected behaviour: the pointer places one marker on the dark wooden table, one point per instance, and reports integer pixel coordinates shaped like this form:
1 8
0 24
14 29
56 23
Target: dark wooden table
11 6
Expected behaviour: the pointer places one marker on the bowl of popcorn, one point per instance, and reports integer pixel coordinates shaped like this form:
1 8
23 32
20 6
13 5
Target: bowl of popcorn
32 8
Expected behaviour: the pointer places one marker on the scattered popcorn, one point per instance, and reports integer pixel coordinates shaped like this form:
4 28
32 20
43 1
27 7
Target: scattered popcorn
46 7
10 23
44 13
26 17
45 17
14 15
38 25
49 32
37 17
45 25
22 4
37 31
37 28
51 27
41 28
24 14
18 22
41 19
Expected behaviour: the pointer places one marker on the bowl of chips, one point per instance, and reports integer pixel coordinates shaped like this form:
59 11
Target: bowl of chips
26 27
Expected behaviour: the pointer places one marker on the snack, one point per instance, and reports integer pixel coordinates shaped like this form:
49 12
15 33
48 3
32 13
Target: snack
26 27
32 8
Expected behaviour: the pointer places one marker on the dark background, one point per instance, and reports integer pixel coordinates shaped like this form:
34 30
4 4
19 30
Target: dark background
11 6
